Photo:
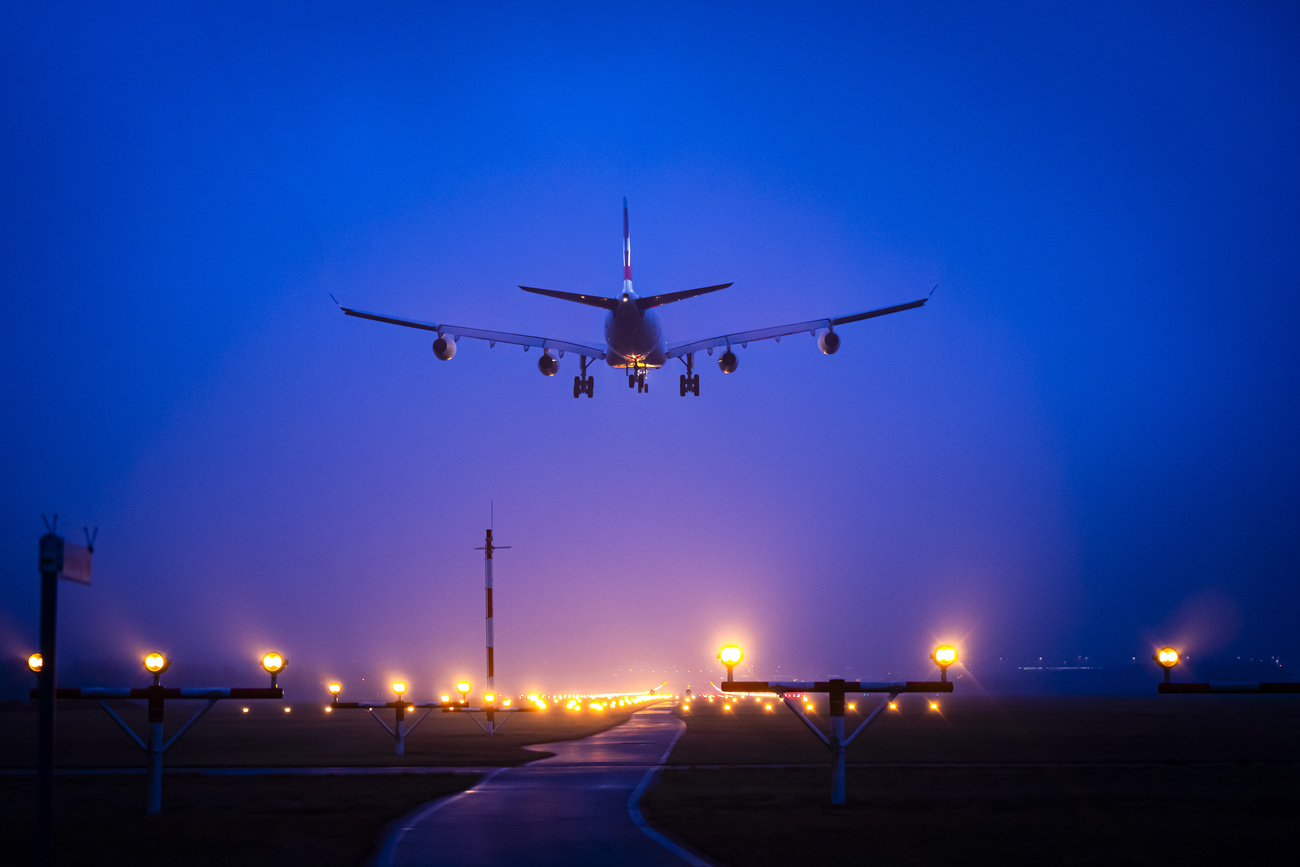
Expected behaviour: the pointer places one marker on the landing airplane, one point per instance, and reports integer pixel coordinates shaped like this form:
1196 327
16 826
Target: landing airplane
634 339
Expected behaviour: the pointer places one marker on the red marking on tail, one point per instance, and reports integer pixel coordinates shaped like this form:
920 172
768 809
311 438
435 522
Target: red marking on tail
627 245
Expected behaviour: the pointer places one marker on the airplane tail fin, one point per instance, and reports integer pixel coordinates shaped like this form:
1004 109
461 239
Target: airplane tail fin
627 251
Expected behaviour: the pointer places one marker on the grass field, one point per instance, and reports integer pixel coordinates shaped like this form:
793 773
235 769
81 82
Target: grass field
249 820
326 821
266 736
1085 780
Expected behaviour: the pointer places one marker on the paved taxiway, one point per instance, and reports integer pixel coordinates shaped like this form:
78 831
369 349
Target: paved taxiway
577 807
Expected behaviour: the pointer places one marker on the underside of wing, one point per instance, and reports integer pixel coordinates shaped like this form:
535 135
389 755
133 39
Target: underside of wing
812 326
493 337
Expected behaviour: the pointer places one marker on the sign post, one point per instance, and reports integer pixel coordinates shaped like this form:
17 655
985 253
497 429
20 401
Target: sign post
57 559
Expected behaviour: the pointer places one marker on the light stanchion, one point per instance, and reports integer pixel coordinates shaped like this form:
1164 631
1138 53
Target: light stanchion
836 689
156 695
1168 657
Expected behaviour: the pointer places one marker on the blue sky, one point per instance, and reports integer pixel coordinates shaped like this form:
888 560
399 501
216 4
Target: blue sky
1083 445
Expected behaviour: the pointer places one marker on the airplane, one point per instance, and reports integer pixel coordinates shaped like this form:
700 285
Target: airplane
634 337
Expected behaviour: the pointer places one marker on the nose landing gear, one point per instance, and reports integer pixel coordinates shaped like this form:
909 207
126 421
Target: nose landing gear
637 378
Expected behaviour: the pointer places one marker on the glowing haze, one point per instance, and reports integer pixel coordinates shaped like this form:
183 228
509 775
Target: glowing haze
1083 445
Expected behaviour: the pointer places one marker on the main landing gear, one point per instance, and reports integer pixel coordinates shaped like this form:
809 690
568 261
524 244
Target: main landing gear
690 383
584 384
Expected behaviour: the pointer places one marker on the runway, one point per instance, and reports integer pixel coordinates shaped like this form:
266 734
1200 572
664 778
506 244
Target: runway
577 807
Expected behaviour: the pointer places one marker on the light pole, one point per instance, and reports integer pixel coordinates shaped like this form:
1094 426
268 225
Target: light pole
730 655
1166 658
274 664
944 655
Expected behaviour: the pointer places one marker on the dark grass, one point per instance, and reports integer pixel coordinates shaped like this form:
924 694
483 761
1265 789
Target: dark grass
1157 814
266 736
1030 780
210 820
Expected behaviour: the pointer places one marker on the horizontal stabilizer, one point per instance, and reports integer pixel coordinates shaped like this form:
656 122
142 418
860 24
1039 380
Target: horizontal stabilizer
670 297
590 300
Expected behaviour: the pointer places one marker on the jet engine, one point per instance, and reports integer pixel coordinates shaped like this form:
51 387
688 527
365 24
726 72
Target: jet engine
444 348
828 342
548 364
727 362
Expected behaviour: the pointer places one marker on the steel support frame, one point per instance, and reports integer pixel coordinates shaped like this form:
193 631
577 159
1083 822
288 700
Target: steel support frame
836 743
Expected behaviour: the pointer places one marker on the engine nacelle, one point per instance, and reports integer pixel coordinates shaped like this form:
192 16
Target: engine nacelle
548 364
727 362
444 348
828 342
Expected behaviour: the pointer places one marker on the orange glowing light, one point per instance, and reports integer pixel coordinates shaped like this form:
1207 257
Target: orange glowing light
934 705
156 663
335 688
35 661
1167 657
462 687
399 687
273 663
730 655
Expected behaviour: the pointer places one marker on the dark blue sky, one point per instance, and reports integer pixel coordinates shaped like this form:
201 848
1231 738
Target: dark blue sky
1085 444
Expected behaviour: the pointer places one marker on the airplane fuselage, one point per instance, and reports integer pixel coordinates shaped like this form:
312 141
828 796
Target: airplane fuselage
633 337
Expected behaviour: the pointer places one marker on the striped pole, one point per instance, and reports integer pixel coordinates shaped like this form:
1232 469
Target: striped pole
487 550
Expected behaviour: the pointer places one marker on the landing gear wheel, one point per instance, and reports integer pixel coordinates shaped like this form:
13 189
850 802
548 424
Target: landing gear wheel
682 387
695 384
591 385
631 380
577 386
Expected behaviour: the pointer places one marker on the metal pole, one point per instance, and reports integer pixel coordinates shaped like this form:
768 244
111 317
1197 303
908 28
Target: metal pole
51 561
155 769
487 550
487 578
156 746
837 740
401 728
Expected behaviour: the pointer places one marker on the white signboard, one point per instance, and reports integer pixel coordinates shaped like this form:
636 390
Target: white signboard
76 563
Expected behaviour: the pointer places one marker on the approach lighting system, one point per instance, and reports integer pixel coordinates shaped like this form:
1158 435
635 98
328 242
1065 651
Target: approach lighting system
335 689
156 664
944 655
463 689
730 655
444 698
35 661
399 688
489 698
1166 658
274 664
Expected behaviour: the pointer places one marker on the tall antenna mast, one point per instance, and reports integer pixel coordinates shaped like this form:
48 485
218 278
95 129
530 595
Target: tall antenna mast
487 550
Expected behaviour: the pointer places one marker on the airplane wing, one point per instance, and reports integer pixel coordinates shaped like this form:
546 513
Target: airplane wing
744 338
492 337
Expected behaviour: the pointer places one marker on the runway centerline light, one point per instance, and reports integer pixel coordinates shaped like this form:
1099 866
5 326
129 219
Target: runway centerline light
944 655
35 661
